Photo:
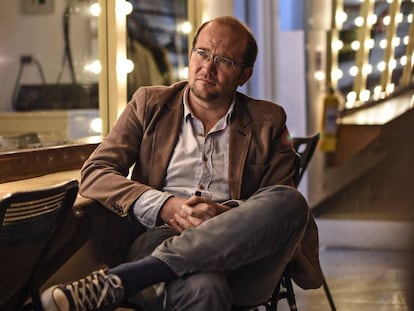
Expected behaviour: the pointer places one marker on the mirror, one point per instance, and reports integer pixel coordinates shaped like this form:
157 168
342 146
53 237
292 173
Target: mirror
49 71
373 48
157 44
49 65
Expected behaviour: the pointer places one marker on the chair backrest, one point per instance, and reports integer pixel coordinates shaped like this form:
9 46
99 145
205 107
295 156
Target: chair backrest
29 220
305 148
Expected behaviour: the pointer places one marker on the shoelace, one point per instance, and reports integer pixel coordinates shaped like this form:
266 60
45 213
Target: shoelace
95 289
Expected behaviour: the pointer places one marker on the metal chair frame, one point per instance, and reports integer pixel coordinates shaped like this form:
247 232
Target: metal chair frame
305 148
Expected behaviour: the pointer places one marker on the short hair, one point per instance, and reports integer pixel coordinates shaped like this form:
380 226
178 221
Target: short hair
251 51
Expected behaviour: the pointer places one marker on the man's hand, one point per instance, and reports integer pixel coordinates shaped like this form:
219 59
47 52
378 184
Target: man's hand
183 213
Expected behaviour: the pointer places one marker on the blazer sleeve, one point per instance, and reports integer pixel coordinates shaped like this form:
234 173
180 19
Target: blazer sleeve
304 268
103 175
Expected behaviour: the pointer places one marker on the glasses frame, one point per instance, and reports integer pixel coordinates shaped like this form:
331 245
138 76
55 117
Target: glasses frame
219 60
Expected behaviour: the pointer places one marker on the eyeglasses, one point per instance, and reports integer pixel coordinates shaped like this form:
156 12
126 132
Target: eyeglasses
220 61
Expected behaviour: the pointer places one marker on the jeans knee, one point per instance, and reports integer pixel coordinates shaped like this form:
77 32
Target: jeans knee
298 204
285 202
199 291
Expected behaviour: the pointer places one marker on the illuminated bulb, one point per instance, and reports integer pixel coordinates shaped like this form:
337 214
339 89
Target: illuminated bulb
349 105
396 41
127 7
350 99
337 45
340 17
367 69
337 74
319 75
94 67
377 90
353 71
386 20
372 19
381 66
124 8
355 45
359 21
95 9
390 88
125 66
410 18
399 18
183 73
383 43
405 40
364 95
369 43
392 64
403 60
96 125
185 27
351 96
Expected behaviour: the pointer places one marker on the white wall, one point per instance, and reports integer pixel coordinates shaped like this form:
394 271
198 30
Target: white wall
280 69
42 37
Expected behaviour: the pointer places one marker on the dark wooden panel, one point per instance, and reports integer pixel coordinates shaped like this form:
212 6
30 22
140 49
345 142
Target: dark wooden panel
37 162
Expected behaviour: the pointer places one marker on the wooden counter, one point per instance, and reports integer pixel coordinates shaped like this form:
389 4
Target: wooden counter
39 182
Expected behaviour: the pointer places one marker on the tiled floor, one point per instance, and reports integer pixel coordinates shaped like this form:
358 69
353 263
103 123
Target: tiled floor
360 280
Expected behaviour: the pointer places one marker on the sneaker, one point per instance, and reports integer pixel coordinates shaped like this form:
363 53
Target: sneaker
98 291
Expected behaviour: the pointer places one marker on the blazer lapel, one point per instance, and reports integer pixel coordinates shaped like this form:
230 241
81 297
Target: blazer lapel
240 136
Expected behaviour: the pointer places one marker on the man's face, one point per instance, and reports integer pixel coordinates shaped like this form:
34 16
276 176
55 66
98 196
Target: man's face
216 81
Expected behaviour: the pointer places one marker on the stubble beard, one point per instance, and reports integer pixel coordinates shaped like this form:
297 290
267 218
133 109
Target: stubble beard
204 94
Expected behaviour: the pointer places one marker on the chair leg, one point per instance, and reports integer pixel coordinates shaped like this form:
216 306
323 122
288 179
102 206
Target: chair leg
290 294
328 293
274 299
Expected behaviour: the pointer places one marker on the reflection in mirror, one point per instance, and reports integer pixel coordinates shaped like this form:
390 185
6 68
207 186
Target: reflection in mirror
374 48
157 42
49 69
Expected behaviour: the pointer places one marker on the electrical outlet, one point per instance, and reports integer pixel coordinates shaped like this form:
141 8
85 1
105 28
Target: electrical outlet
37 7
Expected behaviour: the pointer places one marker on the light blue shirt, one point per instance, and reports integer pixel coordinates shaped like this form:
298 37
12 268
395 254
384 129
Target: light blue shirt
199 163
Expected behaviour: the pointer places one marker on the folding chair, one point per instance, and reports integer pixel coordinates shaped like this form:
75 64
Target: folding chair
305 148
29 221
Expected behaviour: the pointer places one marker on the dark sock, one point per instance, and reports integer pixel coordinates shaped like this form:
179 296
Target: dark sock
140 274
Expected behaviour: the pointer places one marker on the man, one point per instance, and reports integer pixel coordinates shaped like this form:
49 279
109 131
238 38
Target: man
212 180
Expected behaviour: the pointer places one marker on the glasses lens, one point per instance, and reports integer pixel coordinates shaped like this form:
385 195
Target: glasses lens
223 61
220 61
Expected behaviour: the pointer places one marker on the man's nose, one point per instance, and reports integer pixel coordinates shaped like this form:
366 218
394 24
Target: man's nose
211 63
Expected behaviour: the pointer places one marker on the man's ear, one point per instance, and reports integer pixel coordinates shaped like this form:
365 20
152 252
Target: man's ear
245 75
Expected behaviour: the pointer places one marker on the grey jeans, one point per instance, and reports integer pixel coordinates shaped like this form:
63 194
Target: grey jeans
235 258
